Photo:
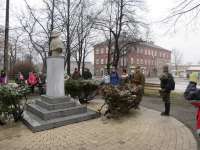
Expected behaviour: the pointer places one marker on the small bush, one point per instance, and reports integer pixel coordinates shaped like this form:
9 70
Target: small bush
80 88
119 100
11 101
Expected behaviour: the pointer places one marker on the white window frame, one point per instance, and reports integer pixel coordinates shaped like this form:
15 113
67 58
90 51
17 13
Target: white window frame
97 61
102 61
97 51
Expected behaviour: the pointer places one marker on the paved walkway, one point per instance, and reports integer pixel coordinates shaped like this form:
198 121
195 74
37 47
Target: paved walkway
180 109
143 129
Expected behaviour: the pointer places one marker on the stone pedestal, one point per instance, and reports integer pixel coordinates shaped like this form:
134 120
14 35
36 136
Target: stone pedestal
55 109
55 76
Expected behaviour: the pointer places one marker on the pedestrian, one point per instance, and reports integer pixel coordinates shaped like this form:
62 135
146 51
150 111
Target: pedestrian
114 77
167 84
76 75
138 84
3 78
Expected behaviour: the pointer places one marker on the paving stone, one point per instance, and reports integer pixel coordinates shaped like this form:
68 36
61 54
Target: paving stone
143 129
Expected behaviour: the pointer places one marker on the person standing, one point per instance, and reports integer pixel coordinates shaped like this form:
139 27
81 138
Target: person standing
76 75
32 81
124 76
114 78
3 78
167 84
138 84
87 75
106 78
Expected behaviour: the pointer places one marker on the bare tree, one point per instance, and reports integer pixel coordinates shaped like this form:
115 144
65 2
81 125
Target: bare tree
177 57
122 21
68 11
38 25
185 11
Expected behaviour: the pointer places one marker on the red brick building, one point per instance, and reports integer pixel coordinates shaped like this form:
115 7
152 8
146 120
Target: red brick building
149 56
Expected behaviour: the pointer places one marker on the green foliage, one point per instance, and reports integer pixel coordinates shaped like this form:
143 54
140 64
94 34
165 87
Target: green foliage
119 100
80 88
10 101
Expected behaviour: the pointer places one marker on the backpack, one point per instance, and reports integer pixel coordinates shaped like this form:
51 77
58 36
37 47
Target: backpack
170 83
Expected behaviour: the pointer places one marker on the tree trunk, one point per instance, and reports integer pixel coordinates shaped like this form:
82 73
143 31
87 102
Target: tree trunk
6 46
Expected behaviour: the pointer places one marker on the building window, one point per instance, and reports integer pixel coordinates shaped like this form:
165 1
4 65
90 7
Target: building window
102 61
142 51
131 60
102 50
97 51
138 61
97 61
97 72
141 61
106 61
106 50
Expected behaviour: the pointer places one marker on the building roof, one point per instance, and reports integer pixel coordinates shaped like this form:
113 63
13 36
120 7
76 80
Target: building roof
144 43
194 68
151 44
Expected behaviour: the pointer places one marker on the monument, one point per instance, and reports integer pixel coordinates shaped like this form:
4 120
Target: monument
55 109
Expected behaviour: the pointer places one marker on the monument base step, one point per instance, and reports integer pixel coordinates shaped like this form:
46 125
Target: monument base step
36 124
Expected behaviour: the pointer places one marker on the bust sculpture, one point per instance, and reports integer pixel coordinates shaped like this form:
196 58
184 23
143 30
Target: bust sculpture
56 45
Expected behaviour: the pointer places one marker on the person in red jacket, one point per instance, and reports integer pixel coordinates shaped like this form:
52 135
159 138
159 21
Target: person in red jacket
32 81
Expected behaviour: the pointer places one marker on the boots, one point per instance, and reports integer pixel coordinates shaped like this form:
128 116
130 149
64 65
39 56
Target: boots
167 110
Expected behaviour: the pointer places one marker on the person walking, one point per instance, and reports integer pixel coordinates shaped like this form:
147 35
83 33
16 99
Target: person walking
167 84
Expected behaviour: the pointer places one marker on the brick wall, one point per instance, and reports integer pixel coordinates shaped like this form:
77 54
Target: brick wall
150 57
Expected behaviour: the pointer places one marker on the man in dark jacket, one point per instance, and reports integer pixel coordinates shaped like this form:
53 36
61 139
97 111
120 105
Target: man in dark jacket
165 91
138 82
87 74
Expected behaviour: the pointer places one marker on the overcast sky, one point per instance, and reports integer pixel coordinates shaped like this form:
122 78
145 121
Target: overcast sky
185 40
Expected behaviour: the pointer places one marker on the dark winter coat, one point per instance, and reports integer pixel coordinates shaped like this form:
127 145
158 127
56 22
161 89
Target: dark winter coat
191 92
114 78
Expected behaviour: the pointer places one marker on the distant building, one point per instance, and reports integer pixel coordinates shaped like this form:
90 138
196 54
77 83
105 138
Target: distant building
149 56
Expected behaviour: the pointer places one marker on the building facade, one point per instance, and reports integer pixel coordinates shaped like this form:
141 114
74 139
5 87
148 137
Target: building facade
149 56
